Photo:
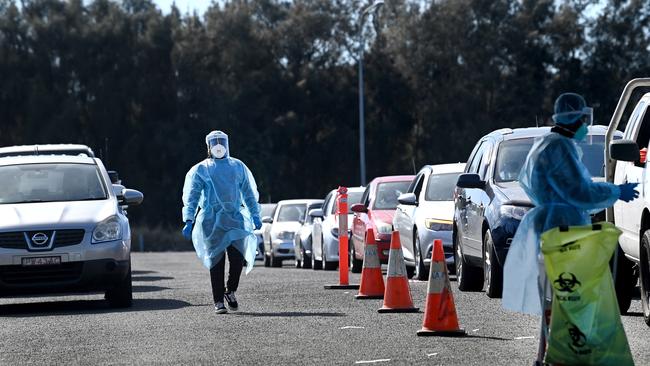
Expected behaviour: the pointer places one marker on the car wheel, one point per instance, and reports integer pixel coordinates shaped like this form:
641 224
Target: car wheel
328 266
492 271
306 260
316 264
298 263
121 296
625 280
644 276
468 277
275 262
356 265
267 261
420 270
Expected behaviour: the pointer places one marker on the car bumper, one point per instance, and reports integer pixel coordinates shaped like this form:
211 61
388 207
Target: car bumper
383 249
68 277
118 250
502 237
283 249
447 245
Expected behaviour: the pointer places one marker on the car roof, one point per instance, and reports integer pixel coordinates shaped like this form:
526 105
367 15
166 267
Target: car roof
46 159
306 201
54 149
445 168
519 133
392 178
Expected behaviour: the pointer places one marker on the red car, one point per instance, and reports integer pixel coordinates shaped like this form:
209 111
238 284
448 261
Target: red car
376 211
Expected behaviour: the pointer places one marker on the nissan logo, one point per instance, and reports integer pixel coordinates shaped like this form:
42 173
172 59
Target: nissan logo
40 239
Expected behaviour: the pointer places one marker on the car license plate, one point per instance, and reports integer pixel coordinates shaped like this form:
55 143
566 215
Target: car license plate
41 261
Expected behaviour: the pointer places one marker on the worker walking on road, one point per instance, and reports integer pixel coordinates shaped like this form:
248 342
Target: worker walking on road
563 192
223 191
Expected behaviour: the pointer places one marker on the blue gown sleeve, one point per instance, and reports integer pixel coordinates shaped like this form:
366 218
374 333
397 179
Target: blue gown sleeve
192 191
571 180
250 194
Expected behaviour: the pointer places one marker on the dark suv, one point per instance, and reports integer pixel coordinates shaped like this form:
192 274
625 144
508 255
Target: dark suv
490 203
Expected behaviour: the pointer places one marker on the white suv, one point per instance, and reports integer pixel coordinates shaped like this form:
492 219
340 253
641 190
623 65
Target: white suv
64 227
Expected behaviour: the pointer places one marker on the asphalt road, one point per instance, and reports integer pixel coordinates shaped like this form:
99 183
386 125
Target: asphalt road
285 317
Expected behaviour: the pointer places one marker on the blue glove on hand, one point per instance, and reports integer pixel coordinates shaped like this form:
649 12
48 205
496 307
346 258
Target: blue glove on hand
187 230
628 193
257 222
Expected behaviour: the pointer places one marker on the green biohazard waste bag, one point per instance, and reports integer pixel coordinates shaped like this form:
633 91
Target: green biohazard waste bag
585 326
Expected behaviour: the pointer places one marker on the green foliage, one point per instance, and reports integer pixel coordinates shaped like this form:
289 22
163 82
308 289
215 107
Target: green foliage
143 87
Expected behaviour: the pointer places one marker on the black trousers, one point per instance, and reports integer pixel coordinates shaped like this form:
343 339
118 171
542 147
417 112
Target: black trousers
217 273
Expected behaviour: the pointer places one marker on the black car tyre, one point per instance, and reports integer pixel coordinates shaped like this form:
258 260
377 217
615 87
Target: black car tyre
298 263
275 262
492 270
121 296
421 271
306 260
267 261
356 265
316 264
469 278
644 276
626 280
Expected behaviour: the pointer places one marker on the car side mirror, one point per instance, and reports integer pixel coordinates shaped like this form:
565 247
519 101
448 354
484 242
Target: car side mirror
408 199
317 212
470 181
624 150
132 197
359 208
119 191
267 220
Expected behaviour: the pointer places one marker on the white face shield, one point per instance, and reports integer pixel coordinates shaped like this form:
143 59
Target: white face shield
217 142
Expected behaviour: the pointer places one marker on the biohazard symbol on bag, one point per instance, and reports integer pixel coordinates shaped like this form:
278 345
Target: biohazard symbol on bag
578 340
567 282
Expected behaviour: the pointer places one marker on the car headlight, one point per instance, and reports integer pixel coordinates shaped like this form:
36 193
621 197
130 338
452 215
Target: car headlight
438 224
384 228
108 230
515 212
286 235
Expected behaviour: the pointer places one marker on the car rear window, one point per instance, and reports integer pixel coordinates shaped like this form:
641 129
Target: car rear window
292 212
512 155
50 183
353 198
387 194
441 187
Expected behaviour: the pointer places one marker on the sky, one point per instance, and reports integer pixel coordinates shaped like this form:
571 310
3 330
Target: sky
184 5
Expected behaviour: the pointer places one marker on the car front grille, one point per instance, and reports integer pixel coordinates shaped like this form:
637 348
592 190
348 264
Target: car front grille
65 272
62 238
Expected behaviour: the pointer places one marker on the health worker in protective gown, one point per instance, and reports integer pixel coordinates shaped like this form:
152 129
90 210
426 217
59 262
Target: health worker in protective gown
563 193
220 212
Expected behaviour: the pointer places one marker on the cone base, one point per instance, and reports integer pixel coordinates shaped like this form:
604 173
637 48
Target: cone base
341 287
369 297
424 332
398 310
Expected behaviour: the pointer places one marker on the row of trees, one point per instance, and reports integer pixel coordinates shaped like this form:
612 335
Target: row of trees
143 87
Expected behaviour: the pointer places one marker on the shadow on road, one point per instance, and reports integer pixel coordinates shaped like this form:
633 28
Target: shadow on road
150 288
55 308
633 314
137 273
151 278
288 314
490 338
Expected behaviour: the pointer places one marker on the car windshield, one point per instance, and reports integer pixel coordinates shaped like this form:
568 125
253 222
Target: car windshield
50 183
315 206
292 212
441 187
512 155
267 209
353 198
387 194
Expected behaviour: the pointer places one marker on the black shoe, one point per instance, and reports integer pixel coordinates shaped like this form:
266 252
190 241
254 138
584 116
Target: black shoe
220 308
231 300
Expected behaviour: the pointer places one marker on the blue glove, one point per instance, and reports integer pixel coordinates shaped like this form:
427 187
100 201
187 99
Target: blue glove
257 222
628 193
187 230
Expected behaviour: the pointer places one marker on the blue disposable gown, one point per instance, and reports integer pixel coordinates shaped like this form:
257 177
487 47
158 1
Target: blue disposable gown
226 193
563 193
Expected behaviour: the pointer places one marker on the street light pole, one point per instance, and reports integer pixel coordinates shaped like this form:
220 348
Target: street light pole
362 122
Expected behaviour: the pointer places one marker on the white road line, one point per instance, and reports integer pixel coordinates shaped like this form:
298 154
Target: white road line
527 337
373 361
351 327
476 330
432 354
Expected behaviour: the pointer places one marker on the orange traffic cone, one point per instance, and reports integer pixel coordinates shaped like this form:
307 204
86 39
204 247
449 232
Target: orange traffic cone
397 297
440 317
372 280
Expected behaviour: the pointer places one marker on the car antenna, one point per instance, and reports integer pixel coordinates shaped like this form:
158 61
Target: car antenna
536 122
413 163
